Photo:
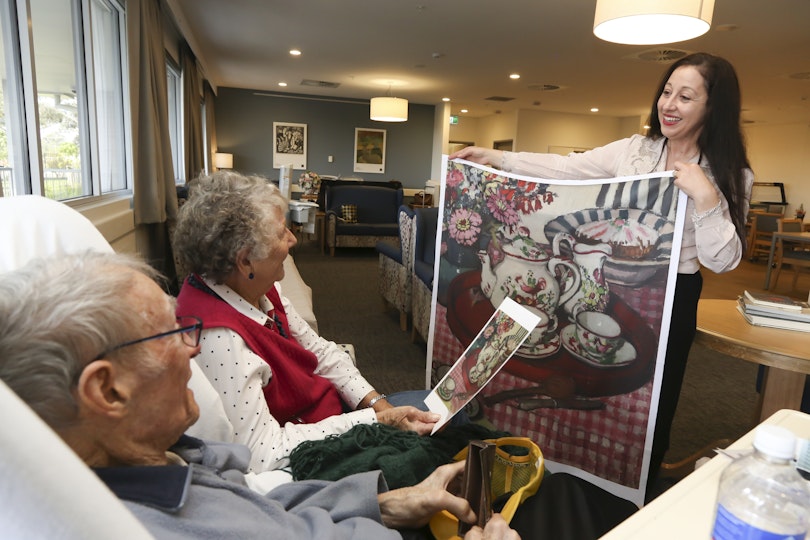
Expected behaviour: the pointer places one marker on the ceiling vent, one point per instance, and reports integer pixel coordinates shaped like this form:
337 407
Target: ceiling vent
319 84
659 56
544 87
498 98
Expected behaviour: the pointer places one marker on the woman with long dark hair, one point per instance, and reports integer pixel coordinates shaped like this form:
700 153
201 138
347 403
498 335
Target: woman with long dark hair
694 130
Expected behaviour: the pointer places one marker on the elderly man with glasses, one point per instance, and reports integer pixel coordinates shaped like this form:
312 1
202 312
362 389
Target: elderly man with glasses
91 343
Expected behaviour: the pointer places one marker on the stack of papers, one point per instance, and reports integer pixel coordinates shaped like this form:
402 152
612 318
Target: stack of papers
775 311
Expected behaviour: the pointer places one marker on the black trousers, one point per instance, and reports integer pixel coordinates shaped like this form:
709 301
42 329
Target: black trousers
566 507
682 329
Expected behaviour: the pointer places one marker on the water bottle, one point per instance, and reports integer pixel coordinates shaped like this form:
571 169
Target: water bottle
762 496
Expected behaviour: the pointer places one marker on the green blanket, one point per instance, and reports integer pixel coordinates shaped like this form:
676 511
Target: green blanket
404 457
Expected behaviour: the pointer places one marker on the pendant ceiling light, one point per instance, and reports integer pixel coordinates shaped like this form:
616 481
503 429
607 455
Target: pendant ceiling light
389 109
643 22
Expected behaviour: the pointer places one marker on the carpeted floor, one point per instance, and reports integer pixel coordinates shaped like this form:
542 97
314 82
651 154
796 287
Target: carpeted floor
718 400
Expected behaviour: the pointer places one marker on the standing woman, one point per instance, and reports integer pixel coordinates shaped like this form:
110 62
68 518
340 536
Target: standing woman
694 130
280 382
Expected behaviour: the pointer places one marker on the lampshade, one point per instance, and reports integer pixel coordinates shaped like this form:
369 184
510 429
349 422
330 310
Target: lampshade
223 160
642 22
389 109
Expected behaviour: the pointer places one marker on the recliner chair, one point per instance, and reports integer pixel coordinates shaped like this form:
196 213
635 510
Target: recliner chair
424 253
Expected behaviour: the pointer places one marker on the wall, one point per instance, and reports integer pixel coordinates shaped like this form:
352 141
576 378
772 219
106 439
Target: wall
540 131
544 131
781 153
114 218
244 123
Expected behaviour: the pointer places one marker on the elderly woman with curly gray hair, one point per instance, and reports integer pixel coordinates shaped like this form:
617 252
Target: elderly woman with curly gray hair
280 382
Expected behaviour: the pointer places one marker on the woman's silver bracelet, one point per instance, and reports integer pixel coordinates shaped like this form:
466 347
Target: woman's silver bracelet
375 399
714 210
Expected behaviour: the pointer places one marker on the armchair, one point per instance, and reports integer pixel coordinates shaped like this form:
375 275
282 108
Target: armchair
396 266
424 254
377 216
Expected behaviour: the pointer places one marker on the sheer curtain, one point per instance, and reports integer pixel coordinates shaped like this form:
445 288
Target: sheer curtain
192 113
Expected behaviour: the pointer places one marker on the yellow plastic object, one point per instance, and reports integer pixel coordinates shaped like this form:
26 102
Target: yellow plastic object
519 474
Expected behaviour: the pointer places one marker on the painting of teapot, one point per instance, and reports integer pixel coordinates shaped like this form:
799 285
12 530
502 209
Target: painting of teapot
593 292
520 268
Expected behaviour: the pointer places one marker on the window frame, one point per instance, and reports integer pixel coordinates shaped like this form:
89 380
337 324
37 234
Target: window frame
20 41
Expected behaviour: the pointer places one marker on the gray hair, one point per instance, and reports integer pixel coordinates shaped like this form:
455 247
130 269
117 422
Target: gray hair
226 212
56 316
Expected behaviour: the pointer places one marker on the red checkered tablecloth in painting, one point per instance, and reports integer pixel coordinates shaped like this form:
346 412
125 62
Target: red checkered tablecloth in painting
608 443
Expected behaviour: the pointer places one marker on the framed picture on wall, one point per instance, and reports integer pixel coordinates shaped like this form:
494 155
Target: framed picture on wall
289 145
369 150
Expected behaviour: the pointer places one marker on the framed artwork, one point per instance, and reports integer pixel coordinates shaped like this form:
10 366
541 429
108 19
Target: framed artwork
289 145
369 150
578 254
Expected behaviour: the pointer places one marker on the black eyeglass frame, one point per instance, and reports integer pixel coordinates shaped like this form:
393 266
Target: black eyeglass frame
183 330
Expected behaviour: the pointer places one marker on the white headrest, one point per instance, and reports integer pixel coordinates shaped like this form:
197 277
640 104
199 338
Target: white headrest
32 226
47 491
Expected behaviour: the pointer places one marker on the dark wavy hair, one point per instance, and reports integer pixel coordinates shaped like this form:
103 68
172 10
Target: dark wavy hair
721 140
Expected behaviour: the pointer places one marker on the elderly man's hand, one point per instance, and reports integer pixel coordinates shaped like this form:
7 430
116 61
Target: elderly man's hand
412 507
409 418
495 529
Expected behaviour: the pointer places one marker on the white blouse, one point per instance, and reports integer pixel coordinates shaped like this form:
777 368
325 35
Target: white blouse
239 375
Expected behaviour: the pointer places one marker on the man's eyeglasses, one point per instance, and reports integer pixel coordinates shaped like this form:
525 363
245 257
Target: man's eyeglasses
189 328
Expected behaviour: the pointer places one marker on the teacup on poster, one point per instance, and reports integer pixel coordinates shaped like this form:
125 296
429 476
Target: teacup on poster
497 341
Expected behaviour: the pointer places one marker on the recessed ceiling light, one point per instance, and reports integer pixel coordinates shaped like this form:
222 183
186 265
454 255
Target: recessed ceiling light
282 84
295 52
594 109
514 76
464 110
445 99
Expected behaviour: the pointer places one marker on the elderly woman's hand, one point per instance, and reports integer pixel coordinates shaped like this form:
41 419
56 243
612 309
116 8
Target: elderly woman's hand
477 154
412 507
409 419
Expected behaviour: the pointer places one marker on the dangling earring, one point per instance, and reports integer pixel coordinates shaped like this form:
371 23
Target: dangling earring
250 275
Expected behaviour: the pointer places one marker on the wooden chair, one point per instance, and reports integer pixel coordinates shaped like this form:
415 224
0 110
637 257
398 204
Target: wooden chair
763 225
790 252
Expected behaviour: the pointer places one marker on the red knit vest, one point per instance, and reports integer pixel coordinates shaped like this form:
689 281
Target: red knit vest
295 393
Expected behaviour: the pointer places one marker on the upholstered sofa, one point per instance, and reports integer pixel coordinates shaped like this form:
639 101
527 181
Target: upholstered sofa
377 216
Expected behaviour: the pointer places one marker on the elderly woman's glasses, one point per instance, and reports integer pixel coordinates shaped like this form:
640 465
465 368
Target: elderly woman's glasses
189 328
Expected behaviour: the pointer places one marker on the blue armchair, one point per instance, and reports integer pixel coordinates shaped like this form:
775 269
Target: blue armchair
377 216
396 266
424 253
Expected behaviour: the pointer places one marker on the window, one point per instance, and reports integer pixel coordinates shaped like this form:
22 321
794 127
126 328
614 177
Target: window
70 85
175 119
13 150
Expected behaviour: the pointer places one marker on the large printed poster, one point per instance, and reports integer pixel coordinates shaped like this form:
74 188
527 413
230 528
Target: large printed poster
593 260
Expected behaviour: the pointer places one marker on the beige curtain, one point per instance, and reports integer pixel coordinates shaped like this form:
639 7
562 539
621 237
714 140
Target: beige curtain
155 197
192 114
210 124
154 191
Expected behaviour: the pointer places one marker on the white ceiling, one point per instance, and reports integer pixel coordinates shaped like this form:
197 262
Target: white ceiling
466 49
